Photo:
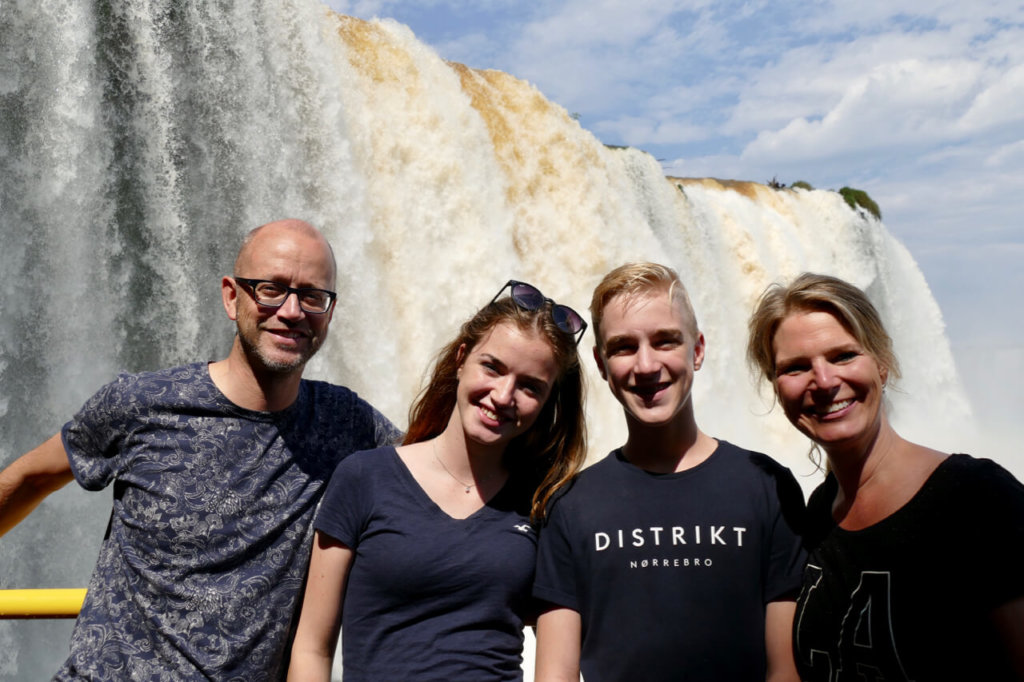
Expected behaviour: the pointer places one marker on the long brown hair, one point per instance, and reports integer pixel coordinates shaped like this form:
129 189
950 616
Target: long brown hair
552 451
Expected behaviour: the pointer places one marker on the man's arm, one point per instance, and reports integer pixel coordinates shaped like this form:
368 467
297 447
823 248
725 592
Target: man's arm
316 636
778 641
559 631
30 478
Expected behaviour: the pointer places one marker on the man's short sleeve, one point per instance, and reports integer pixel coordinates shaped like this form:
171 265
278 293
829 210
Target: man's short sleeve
384 432
95 436
787 556
555 580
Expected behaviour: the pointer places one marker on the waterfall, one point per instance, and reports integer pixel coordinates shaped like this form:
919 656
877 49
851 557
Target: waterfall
140 140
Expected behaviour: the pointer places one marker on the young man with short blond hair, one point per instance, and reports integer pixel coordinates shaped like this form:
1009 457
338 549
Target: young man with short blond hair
674 558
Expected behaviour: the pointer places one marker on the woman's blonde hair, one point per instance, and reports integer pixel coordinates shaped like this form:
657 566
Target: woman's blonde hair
812 292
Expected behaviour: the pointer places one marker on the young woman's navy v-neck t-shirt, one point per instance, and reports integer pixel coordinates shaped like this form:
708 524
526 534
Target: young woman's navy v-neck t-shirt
429 597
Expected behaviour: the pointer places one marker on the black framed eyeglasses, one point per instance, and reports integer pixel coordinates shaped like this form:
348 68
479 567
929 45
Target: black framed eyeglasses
528 297
273 295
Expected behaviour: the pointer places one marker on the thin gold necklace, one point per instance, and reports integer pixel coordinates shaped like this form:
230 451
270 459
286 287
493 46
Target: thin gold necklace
467 486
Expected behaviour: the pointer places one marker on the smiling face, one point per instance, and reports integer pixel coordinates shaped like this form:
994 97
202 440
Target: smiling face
829 387
280 340
504 382
648 353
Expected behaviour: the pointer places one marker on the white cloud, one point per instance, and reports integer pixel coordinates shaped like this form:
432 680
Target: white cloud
637 131
905 104
1008 157
1002 102
597 24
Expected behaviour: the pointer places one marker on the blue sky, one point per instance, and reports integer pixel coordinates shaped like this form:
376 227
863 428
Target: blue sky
919 103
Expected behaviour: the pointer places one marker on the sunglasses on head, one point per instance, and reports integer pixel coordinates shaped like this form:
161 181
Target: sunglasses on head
528 297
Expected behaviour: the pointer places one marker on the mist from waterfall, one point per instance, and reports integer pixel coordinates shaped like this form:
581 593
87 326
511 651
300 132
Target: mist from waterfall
140 140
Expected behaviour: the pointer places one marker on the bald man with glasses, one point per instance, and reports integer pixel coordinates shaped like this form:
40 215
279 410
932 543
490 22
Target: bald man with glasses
217 469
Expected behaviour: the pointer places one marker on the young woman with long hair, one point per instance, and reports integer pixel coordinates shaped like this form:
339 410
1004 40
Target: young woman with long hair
425 553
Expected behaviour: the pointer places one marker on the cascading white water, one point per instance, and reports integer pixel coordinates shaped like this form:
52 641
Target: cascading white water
140 140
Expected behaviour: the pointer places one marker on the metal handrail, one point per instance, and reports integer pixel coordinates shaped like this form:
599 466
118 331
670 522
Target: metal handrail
41 603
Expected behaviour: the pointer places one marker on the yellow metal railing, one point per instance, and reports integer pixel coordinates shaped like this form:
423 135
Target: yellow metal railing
60 603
